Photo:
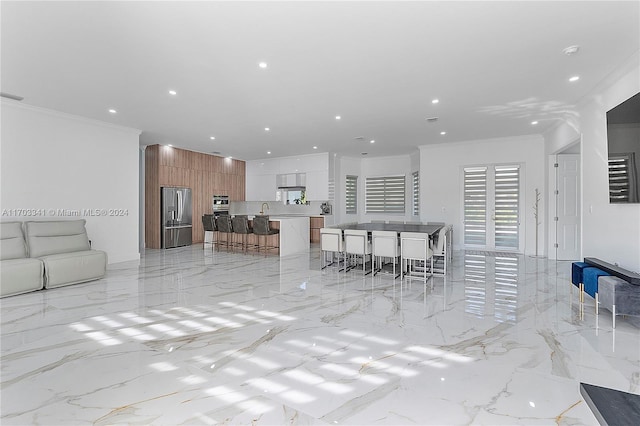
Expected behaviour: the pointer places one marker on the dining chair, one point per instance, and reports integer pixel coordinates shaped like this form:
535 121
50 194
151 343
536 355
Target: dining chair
261 229
330 242
415 254
384 245
440 254
357 245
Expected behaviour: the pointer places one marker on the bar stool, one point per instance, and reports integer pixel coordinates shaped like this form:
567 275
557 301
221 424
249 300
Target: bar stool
209 225
223 223
261 229
241 228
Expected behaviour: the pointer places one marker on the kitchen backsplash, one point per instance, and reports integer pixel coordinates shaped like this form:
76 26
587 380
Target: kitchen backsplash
275 208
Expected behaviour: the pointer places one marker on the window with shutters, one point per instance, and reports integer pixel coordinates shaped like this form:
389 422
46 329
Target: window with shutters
352 195
385 194
475 206
416 193
506 206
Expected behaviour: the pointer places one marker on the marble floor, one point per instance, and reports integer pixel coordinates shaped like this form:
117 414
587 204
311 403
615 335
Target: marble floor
188 336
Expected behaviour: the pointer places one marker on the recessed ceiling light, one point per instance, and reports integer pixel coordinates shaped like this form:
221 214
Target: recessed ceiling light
372 141
170 145
574 78
173 92
268 152
266 129
338 117
229 157
212 138
435 101
571 50
262 65
443 133
534 123
315 147
112 111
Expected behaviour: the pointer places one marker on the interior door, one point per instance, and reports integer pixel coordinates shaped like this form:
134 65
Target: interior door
567 217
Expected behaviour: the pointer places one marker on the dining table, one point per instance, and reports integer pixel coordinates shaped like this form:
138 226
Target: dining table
397 227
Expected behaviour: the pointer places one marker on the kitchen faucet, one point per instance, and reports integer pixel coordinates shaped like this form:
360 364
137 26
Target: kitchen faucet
262 207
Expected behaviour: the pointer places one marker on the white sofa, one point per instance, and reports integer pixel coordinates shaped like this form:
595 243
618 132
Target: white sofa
18 273
51 254
63 247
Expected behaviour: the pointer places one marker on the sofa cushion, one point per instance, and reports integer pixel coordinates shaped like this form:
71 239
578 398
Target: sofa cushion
72 268
12 245
48 238
20 276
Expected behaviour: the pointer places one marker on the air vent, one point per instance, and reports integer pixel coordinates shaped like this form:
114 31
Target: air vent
216 152
364 153
10 96
432 119
359 138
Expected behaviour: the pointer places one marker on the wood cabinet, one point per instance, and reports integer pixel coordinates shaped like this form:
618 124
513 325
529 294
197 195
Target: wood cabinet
206 175
315 223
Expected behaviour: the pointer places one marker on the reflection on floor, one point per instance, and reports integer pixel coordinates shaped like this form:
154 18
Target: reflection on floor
191 336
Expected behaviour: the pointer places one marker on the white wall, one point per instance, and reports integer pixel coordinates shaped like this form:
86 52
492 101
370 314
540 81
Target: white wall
610 232
52 160
261 176
441 180
347 166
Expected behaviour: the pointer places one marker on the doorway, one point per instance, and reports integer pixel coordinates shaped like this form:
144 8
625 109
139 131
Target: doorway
492 208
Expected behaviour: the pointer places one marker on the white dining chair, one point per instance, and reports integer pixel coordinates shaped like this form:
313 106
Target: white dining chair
357 245
331 242
384 245
416 256
440 252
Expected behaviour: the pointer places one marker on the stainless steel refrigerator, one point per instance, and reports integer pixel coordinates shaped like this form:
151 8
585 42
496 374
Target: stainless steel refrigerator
176 217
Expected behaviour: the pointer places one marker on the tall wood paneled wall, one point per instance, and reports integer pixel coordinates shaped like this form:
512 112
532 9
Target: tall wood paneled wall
206 175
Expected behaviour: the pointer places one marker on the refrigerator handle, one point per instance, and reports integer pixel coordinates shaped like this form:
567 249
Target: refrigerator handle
179 204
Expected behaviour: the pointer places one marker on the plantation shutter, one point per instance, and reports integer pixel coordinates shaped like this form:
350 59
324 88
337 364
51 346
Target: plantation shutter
352 195
475 206
507 202
416 193
385 194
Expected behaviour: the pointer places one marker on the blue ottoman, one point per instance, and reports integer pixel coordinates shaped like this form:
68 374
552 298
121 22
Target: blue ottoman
577 271
590 276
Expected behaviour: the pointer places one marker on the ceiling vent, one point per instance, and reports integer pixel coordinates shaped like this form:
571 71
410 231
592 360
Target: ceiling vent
10 96
359 138
432 119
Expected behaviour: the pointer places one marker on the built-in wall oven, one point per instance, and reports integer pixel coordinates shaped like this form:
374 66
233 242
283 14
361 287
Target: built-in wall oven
220 204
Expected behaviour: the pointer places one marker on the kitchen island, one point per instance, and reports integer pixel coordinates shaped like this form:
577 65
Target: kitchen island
294 233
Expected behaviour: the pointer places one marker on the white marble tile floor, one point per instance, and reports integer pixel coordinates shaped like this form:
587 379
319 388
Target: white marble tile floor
191 336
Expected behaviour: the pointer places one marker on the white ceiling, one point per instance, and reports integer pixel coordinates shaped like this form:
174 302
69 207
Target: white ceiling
495 66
